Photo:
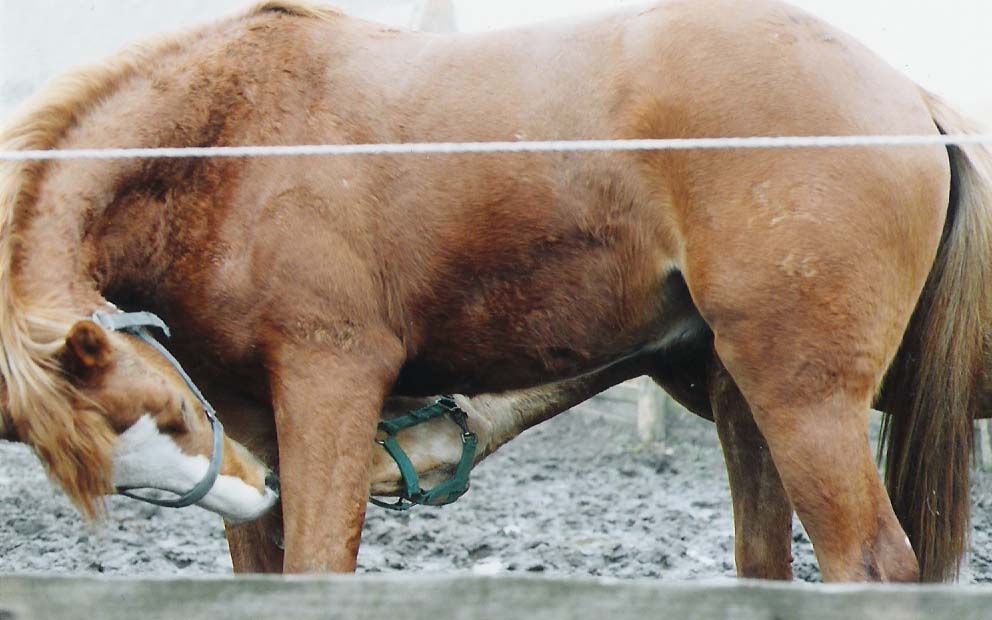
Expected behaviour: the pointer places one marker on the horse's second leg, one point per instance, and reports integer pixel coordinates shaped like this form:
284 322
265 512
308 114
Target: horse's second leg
808 368
826 464
255 547
762 512
808 273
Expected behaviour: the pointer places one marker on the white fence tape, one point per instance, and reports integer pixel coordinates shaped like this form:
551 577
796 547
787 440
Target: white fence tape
481 148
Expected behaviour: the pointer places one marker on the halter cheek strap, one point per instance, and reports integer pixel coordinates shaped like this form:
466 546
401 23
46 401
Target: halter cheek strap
445 493
136 324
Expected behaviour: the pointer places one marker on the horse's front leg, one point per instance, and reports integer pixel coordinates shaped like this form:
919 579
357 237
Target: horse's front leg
256 547
327 405
762 512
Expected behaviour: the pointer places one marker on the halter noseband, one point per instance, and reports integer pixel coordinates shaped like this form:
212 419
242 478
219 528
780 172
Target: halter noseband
136 324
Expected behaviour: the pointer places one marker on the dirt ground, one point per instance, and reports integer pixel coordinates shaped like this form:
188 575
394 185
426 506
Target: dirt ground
576 496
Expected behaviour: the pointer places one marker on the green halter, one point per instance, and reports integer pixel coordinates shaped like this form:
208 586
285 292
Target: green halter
446 492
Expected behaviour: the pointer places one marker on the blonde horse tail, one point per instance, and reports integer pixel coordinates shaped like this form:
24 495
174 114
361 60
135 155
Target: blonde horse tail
931 394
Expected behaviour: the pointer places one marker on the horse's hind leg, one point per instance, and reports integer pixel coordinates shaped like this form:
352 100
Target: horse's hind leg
808 285
811 401
808 367
762 512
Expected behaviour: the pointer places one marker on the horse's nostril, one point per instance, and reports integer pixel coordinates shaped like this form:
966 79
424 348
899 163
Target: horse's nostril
272 482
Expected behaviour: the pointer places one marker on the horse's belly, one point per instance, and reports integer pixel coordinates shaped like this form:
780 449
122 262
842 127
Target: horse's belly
557 340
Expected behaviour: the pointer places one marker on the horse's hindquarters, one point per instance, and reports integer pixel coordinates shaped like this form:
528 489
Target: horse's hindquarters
809 294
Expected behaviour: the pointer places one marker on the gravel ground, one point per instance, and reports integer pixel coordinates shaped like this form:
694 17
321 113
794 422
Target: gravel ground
576 496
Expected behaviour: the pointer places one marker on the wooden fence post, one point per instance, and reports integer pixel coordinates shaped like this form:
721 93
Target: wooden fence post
983 443
436 16
652 412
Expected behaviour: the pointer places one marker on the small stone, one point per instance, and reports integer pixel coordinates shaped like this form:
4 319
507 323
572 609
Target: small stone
29 527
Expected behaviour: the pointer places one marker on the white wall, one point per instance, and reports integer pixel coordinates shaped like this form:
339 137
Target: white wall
945 45
437 16
40 39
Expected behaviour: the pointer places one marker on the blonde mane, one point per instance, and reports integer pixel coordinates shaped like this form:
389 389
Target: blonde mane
71 435
296 9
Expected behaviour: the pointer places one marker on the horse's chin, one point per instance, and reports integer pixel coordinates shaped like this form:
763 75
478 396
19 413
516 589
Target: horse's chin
390 484
237 502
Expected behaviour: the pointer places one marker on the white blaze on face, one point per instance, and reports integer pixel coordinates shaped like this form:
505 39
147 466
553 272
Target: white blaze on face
145 458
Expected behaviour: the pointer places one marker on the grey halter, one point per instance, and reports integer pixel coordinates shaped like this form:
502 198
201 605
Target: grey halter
136 324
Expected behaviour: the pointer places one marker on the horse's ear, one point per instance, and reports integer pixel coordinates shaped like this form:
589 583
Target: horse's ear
87 350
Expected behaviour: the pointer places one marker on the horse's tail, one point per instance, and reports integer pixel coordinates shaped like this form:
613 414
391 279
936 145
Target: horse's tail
931 393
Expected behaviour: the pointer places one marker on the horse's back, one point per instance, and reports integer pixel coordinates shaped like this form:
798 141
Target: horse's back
682 69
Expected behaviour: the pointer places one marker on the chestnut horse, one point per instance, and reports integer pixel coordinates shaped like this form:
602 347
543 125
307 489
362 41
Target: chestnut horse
778 292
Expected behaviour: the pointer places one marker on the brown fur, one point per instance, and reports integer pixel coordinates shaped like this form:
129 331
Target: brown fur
762 512
314 288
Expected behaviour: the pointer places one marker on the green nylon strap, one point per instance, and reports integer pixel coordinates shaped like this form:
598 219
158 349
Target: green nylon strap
411 481
415 418
446 492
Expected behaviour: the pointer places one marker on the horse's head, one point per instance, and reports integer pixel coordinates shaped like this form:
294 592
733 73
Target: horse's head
161 436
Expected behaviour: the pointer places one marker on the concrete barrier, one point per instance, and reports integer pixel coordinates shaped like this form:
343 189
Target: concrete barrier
468 598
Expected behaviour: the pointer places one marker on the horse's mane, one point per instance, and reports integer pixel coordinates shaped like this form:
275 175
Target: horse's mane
296 9
70 435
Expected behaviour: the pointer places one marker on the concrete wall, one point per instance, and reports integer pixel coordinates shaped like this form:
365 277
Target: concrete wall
431 598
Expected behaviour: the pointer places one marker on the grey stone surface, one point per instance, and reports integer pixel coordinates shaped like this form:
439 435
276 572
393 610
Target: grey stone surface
422 598
576 497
